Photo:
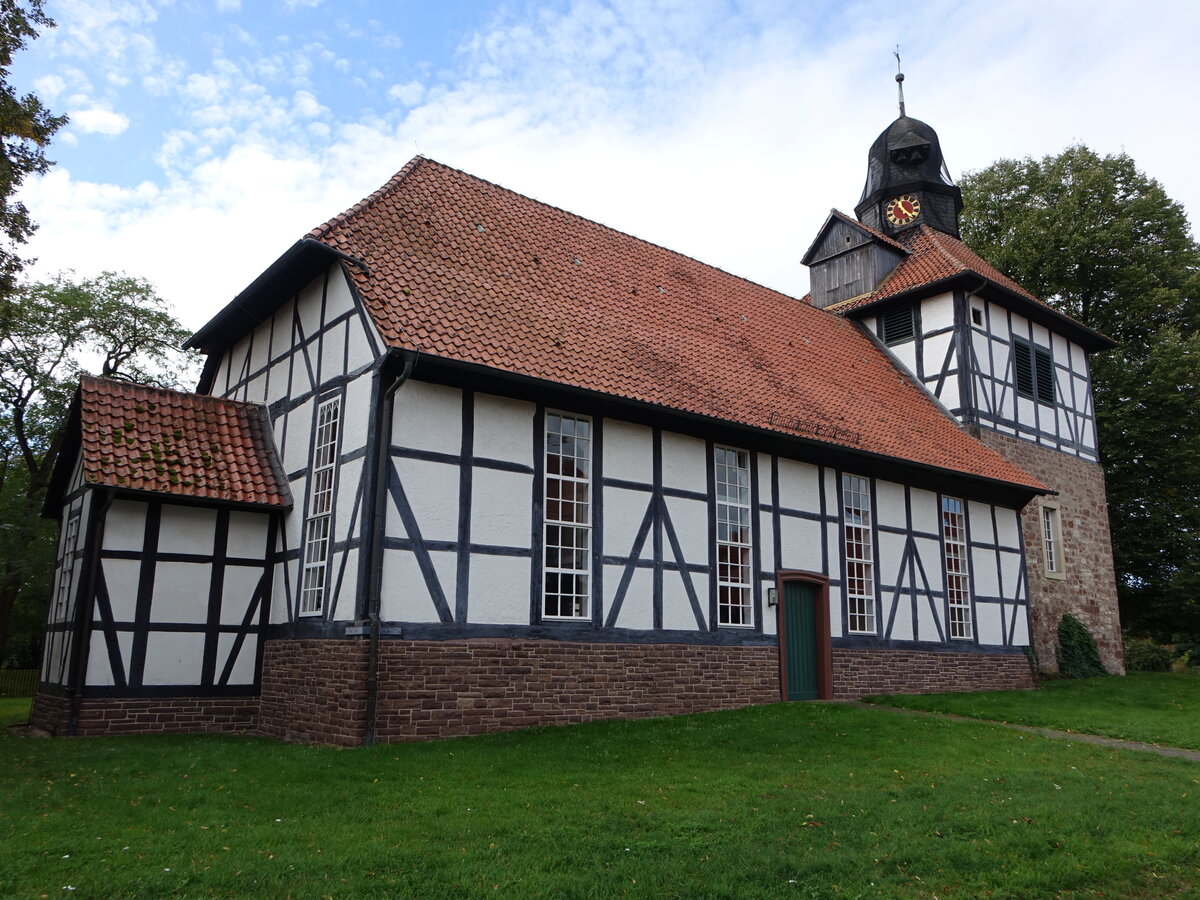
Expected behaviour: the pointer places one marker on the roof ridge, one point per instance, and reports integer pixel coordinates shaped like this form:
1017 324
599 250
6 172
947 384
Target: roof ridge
98 380
935 237
321 231
874 232
398 177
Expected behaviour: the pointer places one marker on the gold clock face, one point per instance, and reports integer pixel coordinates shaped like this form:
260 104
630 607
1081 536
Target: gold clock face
903 209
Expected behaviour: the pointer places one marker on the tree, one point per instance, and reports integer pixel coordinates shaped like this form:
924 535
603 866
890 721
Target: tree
49 334
1102 242
26 127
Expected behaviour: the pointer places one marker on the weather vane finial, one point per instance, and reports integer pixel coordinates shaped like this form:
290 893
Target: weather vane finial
899 79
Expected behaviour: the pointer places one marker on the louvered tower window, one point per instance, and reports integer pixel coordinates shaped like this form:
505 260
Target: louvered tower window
898 324
1035 372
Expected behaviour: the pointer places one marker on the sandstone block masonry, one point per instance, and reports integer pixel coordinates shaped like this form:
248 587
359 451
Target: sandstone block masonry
158 715
1088 588
860 673
316 690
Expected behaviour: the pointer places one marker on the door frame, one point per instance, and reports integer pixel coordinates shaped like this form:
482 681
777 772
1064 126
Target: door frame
820 584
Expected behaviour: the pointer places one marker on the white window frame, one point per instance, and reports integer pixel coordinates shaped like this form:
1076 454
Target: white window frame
1053 560
858 547
956 568
66 570
318 529
734 550
567 517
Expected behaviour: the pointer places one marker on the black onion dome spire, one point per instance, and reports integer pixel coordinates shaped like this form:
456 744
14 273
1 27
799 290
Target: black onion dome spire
906 162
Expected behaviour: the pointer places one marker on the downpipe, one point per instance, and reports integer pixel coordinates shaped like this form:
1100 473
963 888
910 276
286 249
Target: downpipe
383 459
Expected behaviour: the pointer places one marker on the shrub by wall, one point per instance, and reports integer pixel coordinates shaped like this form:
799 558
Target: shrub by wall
1077 653
1146 656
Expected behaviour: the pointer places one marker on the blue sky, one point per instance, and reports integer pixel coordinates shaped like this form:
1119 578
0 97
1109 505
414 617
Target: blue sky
208 135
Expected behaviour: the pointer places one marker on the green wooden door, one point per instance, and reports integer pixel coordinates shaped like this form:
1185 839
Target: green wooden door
800 639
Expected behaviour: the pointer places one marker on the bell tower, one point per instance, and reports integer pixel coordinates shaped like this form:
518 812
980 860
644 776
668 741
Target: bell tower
907 179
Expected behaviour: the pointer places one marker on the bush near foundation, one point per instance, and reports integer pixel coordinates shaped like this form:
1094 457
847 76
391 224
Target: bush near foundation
1077 653
1187 649
1146 656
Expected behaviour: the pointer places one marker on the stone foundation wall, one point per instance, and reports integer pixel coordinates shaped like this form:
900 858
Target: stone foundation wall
124 715
1089 588
49 712
859 673
317 690
437 689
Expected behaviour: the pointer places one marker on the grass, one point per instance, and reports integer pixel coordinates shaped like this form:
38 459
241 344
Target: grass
789 800
1154 707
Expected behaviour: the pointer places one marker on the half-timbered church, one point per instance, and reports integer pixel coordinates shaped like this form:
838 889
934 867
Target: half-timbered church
462 461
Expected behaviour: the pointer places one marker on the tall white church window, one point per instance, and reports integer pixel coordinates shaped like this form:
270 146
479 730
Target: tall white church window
318 530
958 580
66 572
733 536
566 587
860 564
1052 542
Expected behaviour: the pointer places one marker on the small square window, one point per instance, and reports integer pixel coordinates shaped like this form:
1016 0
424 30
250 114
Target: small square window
977 315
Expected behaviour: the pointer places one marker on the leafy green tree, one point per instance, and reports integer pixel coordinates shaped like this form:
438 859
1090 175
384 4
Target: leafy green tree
1103 242
26 127
114 325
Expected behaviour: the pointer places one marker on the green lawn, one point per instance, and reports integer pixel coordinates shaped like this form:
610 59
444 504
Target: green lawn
1158 708
788 800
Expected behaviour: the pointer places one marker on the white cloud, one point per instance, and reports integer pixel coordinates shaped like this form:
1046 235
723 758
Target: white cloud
48 87
98 121
113 34
725 136
306 105
229 6
204 88
167 77
292 5
410 93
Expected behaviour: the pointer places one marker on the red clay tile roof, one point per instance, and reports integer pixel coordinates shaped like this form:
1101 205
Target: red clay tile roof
466 270
151 439
934 256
